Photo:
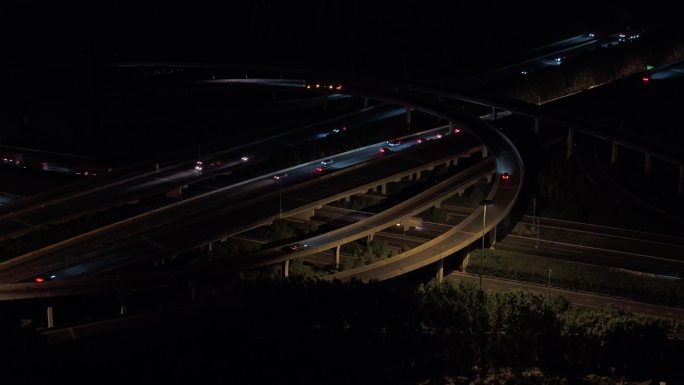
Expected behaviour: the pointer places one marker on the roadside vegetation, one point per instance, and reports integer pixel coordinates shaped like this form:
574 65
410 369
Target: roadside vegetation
578 276
390 332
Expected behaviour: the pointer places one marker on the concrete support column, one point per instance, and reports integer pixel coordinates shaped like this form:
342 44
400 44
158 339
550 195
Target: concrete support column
680 186
465 262
124 309
286 268
489 178
210 247
492 238
647 163
364 101
347 198
485 151
438 204
451 127
440 270
570 142
305 215
383 189
408 115
536 126
337 256
614 153
50 317
493 113
460 192
370 236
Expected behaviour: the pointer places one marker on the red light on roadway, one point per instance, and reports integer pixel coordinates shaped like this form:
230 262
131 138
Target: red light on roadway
645 79
505 176
39 279
339 87
457 130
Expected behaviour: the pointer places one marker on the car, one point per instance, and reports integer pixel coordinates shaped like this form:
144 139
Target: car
321 168
85 172
294 247
41 279
457 130
338 130
421 140
393 143
385 150
244 158
327 162
439 136
280 176
505 176
199 166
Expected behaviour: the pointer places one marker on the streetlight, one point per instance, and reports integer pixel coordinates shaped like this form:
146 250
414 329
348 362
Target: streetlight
280 201
484 203
534 218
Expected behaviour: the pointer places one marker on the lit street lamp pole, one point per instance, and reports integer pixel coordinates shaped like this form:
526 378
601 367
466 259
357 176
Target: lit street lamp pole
280 201
484 203
534 218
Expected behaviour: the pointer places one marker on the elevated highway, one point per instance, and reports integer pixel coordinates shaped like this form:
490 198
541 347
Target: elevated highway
171 230
160 175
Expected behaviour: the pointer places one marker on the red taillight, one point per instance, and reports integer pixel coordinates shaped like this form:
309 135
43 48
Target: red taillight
505 176
39 279
457 130
645 79
339 87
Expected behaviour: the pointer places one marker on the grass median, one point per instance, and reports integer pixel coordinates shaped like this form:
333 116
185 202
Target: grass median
578 276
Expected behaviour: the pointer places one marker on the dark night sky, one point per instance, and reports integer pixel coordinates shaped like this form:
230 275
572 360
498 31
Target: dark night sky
323 33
